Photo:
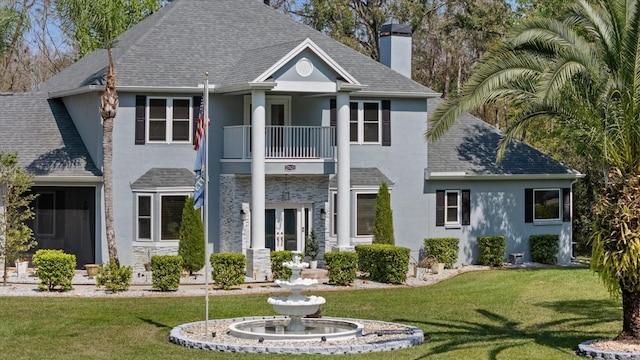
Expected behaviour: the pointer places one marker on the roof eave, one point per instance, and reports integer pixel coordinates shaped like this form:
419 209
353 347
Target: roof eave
139 89
41 180
454 175
398 94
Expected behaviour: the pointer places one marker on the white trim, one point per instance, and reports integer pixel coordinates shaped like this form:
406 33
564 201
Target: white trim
360 138
307 44
43 180
397 94
168 120
137 217
560 207
355 213
162 195
305 86
461 175
453 224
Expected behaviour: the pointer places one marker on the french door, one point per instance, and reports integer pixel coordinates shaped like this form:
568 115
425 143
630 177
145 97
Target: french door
286 226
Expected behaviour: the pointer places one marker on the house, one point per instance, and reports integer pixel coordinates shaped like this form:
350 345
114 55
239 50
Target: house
303 131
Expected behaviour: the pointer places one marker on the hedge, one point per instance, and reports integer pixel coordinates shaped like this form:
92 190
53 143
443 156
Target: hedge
228 269
166 271
341 267
55 269
444 249
493 250
544 248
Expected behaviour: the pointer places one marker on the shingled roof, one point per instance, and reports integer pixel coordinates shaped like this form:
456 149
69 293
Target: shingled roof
470 147
176 45
42 133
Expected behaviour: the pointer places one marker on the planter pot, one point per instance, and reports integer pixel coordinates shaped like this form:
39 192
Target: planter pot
437 268
92 270
21 268
313 264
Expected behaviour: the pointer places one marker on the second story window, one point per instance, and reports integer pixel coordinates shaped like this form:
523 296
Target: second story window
169 120
365 122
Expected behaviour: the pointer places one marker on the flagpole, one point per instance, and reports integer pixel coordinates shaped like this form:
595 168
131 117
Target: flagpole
205 204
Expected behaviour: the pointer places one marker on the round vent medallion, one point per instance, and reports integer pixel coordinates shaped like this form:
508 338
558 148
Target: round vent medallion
304 67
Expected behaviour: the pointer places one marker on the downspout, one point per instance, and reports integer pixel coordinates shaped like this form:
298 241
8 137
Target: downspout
571 214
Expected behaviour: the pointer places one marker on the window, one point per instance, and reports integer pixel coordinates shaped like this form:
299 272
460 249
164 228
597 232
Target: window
365 122
365 213
546 204
334 213
171 216
169 120
144 217
159 216
45 213
453 208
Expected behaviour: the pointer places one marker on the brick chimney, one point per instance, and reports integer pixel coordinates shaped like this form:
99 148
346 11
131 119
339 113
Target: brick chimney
395 48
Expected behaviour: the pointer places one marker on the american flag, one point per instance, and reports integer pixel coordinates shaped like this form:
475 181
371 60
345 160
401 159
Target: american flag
200 130
201 154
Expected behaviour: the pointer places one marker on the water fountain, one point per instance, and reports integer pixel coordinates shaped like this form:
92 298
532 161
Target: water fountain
293 332
296 306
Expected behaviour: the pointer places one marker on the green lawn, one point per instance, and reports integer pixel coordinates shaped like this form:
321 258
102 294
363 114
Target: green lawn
502 314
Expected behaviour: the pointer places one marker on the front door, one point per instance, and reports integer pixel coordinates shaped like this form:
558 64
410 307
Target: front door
285 227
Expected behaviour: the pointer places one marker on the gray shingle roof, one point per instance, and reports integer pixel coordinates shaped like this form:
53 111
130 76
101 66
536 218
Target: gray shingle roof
41 131
470 146
363 177
164 178
176 45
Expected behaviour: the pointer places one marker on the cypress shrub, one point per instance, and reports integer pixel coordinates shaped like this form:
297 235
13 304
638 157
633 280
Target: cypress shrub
228 269
383 222
443 249
544 248
493 249
166 271
341 267
191 247
55 269
114 277
277 259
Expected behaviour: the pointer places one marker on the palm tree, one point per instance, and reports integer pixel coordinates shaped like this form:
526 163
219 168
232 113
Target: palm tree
583 73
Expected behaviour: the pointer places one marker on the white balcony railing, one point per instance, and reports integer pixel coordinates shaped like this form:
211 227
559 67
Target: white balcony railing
282 142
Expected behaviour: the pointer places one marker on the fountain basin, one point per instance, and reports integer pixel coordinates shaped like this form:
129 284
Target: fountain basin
323 329
296 307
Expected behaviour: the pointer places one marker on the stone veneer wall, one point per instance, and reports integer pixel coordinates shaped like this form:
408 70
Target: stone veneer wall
235 195
143 254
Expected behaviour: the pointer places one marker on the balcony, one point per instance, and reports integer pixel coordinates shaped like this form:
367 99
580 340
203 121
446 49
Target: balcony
288 149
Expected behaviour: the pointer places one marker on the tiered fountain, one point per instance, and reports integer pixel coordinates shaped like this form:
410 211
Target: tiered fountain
296 306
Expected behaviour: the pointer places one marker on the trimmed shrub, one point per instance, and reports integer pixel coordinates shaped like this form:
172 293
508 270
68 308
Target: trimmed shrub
166 272
444 249
544 248
55 269
191 246
366 258
493 250
383 221
228 269
277 259
385 263
114 277
341 267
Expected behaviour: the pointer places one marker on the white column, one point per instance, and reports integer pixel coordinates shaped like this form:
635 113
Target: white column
344 172
257 168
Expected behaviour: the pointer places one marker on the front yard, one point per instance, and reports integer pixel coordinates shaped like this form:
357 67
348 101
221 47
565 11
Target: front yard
501 314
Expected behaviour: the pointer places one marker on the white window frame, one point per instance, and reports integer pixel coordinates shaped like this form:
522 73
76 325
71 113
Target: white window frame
354 220
137 214
560 205
458 206
269 101
160 212
169 120
52 213
360 140
333 205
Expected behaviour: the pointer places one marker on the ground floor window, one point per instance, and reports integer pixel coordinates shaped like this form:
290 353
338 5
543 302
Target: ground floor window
546 204
159 216
365 213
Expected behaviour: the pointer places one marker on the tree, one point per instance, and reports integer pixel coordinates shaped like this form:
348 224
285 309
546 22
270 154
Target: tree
15 209
191 247
383 222
97 24
581 74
